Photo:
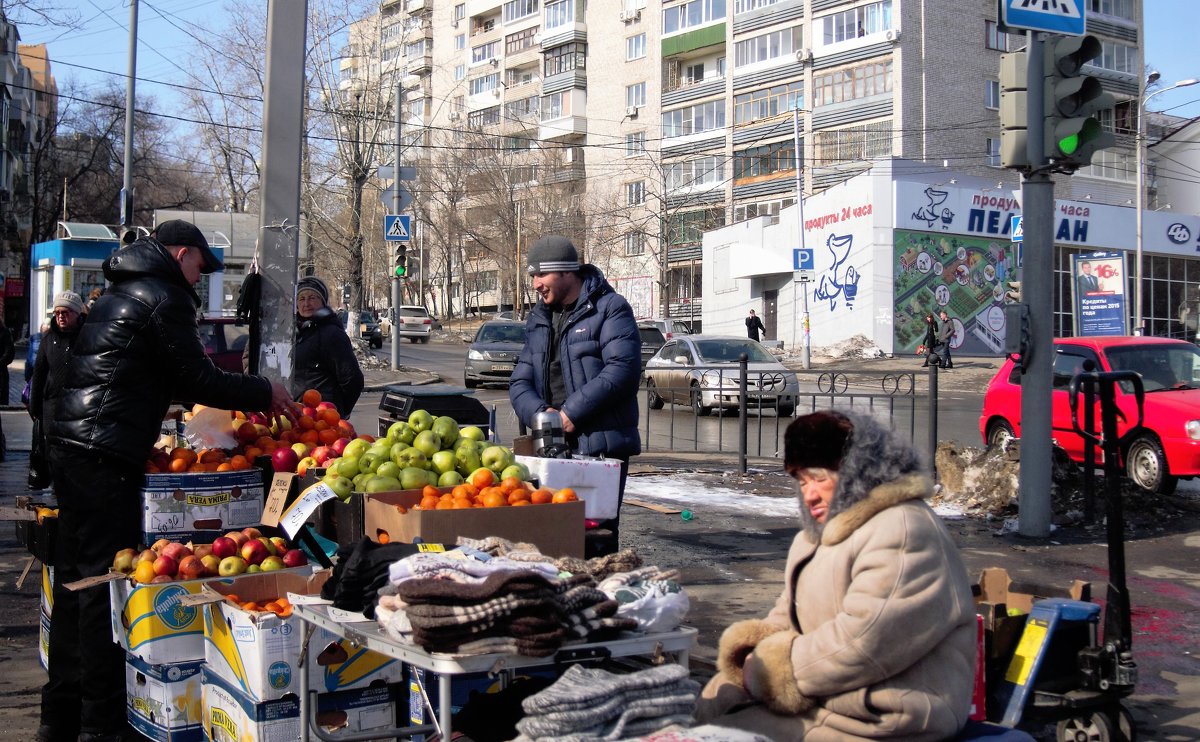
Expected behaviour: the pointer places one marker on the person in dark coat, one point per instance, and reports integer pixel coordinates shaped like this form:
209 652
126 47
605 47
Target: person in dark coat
931 336
54 353
754 325
945 335
139 349
582 359
7 353
325 359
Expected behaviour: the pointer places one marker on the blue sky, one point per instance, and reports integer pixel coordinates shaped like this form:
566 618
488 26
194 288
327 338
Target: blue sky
164 43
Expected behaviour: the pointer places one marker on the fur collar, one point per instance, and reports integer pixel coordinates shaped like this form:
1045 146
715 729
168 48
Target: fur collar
904 488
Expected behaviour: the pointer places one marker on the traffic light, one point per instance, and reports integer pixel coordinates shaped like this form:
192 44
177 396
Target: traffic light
1014 116
1073 133
401 270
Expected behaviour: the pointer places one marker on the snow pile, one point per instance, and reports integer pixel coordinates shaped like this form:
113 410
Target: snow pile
858 346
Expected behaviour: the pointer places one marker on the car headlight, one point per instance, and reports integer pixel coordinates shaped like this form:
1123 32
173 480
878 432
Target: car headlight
1193 429
474 355
711 379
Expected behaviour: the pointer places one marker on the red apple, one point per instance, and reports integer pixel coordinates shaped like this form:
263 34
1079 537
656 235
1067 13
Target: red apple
160 544
211 564
322 454
238 537
308 411
294 558
284 459
162 578
224 546
259 419
339 445
191 568
165 565
202 550
247 433
254 552
306 463
267 543
280 544
176 551
251 532
326 406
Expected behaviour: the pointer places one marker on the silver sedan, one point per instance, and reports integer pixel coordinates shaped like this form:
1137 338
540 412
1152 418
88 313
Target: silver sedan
702 371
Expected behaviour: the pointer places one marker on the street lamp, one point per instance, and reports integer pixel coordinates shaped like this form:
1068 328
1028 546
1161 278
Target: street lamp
1140 144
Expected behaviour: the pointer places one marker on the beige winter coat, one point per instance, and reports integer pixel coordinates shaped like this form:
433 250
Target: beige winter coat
872 638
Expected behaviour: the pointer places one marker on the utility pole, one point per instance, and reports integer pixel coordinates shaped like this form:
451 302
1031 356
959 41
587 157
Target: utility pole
396 210
807 357
279 220
127 232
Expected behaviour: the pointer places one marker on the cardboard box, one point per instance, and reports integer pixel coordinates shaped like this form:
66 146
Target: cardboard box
997 595
47 590
232 716
151 624
44 641
258 654
164 702
47 605
39 539
201 506
596 481
557 530
341 521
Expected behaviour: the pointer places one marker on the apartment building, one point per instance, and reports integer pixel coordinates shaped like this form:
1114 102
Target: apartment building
677 117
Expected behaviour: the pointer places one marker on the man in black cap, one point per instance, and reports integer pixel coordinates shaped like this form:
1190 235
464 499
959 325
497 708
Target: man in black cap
139 350
582 359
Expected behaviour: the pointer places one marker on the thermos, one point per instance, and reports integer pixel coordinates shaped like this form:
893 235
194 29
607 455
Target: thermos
549 440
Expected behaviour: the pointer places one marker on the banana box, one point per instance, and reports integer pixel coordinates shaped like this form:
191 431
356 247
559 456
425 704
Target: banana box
44 641
232 716
200 506
47 591
164 702
258 653
151 623
47 605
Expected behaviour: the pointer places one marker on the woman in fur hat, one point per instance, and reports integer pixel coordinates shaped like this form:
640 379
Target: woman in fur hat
873 636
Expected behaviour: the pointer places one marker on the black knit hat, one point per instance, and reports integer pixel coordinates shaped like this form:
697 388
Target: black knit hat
553 254
178 233
817 441
312 283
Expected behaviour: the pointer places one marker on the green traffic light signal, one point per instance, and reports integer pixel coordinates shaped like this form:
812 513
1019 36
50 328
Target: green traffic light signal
1068 145
400 271
401 261
1073 104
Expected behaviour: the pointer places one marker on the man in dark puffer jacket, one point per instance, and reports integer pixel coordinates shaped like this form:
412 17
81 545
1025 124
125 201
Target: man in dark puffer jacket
139 350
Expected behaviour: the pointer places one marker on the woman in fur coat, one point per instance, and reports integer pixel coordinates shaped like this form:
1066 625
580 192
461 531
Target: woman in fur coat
873 636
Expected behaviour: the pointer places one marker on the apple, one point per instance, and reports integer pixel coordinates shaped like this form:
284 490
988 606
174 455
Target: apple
306 463
224 546
271 564
301 449
159 544
518 470
389 469
447 430
450 479
267 543
191 568
254 552
346 467
231 565
123 560
382 484
341 486
175 551
443 461
411 457
420 420
239 538
253 568
360 480
467 460
284 460
294 558
326 405
382 448
280 544
165 565
146 555
427 442
162 578
396 430
471 432
339 445
247 433
259 419
413 478
369 462
212 564
322 454
355 448
251 532
496 458
202 550
432 477
308 411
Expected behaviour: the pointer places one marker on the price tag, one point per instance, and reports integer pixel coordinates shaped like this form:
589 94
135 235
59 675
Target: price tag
337 614
304 506
297 599
281 484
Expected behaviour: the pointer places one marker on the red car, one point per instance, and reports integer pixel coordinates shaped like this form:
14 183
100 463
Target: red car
1168 449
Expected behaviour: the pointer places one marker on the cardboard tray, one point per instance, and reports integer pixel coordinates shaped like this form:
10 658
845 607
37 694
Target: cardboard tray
996 593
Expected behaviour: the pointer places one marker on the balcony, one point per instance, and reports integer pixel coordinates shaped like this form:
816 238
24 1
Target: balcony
416 6
419 65
563 128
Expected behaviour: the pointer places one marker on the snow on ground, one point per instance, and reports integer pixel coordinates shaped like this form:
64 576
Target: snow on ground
696 494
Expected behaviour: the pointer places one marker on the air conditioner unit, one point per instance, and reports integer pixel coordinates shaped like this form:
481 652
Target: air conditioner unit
537 38
631 112
893 35
455 115
624 16
804 55
454 24
494 61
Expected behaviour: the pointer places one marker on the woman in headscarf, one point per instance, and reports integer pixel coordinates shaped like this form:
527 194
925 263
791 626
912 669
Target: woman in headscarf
325 359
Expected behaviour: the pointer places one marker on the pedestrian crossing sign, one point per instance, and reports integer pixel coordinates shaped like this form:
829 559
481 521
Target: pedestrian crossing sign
397 228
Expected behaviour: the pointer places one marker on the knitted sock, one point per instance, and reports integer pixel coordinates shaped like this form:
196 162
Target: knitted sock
600 718
580 687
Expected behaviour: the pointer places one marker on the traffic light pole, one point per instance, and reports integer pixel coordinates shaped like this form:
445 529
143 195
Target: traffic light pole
396 210
1037 291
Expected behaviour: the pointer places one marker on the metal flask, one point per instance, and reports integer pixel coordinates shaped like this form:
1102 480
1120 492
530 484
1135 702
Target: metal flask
547 432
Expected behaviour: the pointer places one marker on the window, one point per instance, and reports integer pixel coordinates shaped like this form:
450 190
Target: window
522 108
703 171
460 71
694 119
485 52
852 83
635 47
635 95
460 103
556 105
745 6
856 22
520 40
560 13
996 39
765 160
417 49
852 144
1117 57
689 15
773 45
635 244
460 42
460 11
690 226
768 101
485 117
991 94
1118 8
519 76
635 144
993 152
391 32
1112 164
517 9
483 84
744 212
565 58
635 193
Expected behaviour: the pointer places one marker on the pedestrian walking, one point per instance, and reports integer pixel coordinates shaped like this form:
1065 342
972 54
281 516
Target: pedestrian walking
753 326
582 359
945 336
931 337
139 349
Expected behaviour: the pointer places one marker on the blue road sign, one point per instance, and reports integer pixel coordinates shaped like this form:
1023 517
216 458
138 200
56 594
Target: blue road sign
1053 16
397 228
1018 229
802 259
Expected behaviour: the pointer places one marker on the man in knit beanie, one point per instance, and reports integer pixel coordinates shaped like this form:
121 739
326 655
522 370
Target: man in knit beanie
582 359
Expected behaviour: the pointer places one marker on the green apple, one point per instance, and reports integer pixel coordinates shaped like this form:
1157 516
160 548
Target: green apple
342 486
382 484
347 466
381 448
420 420
361 479
411 457
396 430
389 469
356 448
450 479
253 569
443 461
496 458
518 470
301 449
369 462
413 478
472 432
428 442
447 430
467 460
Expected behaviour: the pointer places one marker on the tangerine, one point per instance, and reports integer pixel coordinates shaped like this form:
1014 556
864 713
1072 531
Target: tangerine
519 503
178 465
446 504
566 494
519 496
482 478
541 496
239 462
186 454
225 466
311 398
508 484
429 502
304 422
429 490
330 416
493 497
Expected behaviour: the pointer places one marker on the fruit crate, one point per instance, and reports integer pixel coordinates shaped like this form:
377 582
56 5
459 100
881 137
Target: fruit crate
38 538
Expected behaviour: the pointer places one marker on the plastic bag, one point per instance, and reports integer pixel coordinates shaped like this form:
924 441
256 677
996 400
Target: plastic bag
656 606
210 428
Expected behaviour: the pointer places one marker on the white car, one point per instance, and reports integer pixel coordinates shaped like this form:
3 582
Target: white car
413 322
702 371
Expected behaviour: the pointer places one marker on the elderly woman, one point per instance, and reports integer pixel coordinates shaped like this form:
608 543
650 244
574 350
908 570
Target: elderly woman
325 359
873 636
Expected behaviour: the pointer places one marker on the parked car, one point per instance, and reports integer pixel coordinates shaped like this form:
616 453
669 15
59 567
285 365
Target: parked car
1169 447
652 340
493 353
369 330
224 341
667 326
414 323
702 371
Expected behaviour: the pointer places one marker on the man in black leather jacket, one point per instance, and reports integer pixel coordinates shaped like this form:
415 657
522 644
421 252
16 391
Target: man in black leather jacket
139 350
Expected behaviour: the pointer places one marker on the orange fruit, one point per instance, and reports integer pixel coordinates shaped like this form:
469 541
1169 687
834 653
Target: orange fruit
252 452
460 490
304 422
239 462
566 494
225 466
461 503
311 397
429 502
179 465
482 478
446 504
185 454
383 536
493 497
430 490
286 612
330 416
541 496
519 496
328 436
510 483
519 503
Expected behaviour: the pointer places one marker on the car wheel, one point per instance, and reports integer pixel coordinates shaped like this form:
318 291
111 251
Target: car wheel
413 340
698 403
656 402
784 409
470 383
425 339
999 434
1146 466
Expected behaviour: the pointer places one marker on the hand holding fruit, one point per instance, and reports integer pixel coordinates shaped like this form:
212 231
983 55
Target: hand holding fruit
282 404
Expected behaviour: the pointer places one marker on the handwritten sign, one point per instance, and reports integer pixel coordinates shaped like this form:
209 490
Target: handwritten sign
281 484
304 506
